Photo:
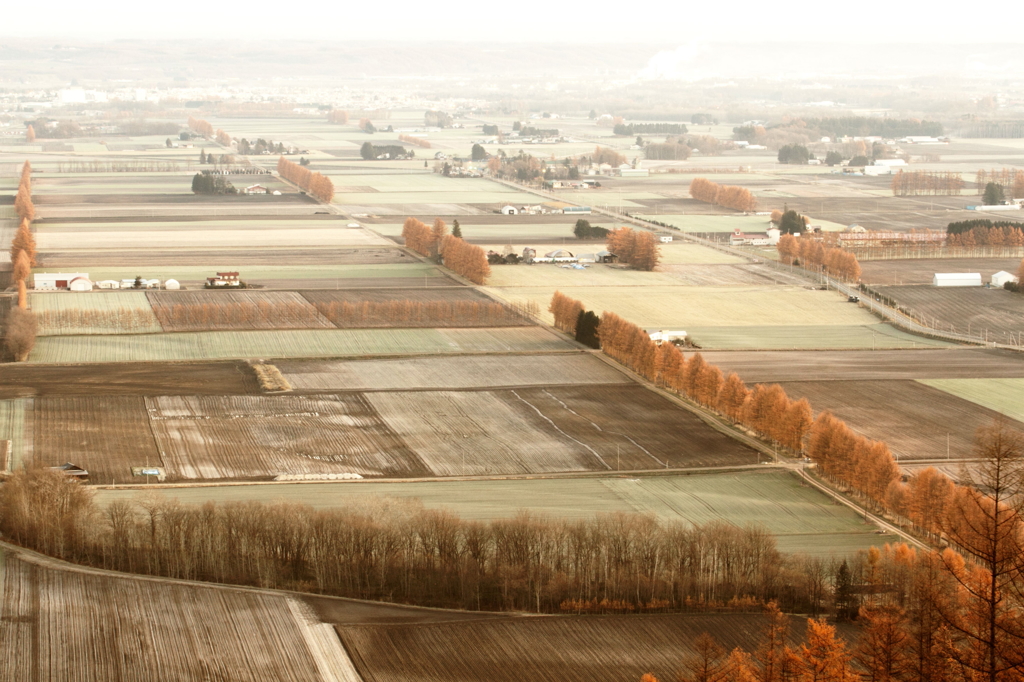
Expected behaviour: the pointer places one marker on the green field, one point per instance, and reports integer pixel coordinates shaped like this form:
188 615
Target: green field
804 520
682 253
292 344
1005 396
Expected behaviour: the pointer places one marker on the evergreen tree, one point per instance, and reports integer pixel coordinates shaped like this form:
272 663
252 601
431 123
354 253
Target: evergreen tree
993 194
367 151
478 153
846 601
456 230
582 229
587 323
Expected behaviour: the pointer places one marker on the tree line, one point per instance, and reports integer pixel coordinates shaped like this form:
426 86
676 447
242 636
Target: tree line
457 255
200 127
418 141
607 155
914 183
339 116
317 185
728 196
21 324
987 236
370 151
667 151
636 248
94 166
1009 178
650 129
347 314
810 253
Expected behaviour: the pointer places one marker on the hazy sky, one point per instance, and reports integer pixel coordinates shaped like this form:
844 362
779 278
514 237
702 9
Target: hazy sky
658 21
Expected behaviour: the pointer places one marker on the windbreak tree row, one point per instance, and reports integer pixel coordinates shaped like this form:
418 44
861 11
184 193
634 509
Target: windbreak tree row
317 185
727 196
813 254
638 248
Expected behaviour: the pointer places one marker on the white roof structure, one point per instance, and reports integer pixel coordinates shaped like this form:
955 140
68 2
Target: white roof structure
957 279
1002 277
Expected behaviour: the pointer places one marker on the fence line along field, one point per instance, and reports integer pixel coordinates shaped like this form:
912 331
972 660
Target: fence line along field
59 622
265 436
198 346
995 312
439 373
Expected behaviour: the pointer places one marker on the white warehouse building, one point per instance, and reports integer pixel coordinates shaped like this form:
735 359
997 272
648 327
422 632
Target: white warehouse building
52 281
957 279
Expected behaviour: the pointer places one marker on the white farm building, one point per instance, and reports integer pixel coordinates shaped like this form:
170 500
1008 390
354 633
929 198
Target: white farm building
1002 277
52 281
957 279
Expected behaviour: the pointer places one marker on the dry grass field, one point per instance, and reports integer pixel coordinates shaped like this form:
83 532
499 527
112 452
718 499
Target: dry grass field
62 622
441 373
180 311
996 314
97 312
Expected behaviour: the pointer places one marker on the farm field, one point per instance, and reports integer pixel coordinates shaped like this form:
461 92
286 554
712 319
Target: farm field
657 305
316 258
809 337
554 275
59 621
201 239
440 433
443 373
135 378
804 520
94 313
996 314
13 428
908 271
1004 396
551 649
191 310
510 229
914 419
408 274
197 346
950 363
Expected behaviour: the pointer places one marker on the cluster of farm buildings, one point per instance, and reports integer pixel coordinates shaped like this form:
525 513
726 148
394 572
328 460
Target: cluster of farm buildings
80 281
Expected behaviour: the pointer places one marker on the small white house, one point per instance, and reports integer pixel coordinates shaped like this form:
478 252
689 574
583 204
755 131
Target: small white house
660 336
255 189
957 279
172 284
108 284
80 284
1002 277
509 210
665 238
52 281
774 234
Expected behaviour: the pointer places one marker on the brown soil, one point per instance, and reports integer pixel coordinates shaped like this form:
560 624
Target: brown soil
878 273
952 363
913 419
127 379
996 314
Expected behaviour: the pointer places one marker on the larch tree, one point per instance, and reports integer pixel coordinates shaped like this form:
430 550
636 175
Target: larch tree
707 663
823 655
884 650
21 271
30 133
